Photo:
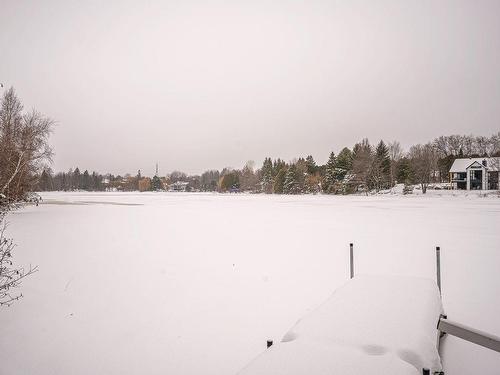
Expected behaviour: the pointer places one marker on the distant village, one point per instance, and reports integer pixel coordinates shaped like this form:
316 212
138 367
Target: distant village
448 162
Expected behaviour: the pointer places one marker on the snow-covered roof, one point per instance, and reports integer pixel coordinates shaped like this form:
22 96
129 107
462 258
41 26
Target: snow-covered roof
180 183
461 165
371 325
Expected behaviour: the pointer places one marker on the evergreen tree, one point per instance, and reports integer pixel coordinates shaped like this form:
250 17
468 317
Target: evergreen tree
362 163
381 167
45 181
64 182
267 176
156 183
96 182
330 173
278 165
403 171
310 165
301 174
292 184
76 179
86 180
279 181
344 164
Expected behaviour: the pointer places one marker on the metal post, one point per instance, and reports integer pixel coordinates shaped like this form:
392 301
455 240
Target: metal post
426 371
438 267
469 334
441 334
351 259
269 343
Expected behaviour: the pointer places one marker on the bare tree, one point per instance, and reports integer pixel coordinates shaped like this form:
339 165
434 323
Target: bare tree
485 146
24 147
495 140
10 276
176 176
395 155
455 144
468 145
423 162
248 178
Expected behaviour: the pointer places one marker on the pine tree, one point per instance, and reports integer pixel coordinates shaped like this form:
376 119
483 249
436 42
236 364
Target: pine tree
96 181
156 183
344 164
76 179
291 184
278 165
279 181
403 171
267 176
329 179
64 182
310 165
86 180
381 167
45 181
362 163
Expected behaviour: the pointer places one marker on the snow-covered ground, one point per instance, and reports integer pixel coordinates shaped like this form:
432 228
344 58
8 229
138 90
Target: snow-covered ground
173 283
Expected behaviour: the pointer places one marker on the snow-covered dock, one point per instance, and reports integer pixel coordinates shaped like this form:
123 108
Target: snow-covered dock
371 325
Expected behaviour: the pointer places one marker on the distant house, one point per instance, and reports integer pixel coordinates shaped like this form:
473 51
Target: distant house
179 186
475 173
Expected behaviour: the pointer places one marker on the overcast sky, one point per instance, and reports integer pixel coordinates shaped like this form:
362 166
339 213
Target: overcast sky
208 84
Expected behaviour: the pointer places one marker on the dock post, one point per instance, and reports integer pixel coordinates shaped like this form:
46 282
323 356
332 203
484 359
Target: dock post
426 371
269 343
351 260
438 267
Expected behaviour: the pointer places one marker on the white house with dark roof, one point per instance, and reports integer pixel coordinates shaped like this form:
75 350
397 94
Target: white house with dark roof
475 173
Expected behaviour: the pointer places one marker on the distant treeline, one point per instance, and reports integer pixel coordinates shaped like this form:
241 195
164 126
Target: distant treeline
363 167
25 156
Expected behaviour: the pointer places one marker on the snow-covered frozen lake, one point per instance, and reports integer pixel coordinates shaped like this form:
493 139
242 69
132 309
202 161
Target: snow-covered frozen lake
159 283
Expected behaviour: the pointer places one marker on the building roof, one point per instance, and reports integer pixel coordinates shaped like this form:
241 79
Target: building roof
461 165
180 183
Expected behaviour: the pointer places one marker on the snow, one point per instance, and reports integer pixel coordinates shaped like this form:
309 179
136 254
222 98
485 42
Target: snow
461 165
184 283
368 318
309 357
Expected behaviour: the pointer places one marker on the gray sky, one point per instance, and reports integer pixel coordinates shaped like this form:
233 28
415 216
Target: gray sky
208 84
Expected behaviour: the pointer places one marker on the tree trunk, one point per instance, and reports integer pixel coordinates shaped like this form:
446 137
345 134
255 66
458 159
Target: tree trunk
16 171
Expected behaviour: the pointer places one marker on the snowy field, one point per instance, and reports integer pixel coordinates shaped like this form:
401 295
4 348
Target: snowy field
159 283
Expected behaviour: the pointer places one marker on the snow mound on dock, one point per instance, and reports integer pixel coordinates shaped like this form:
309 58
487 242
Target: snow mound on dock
371 325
